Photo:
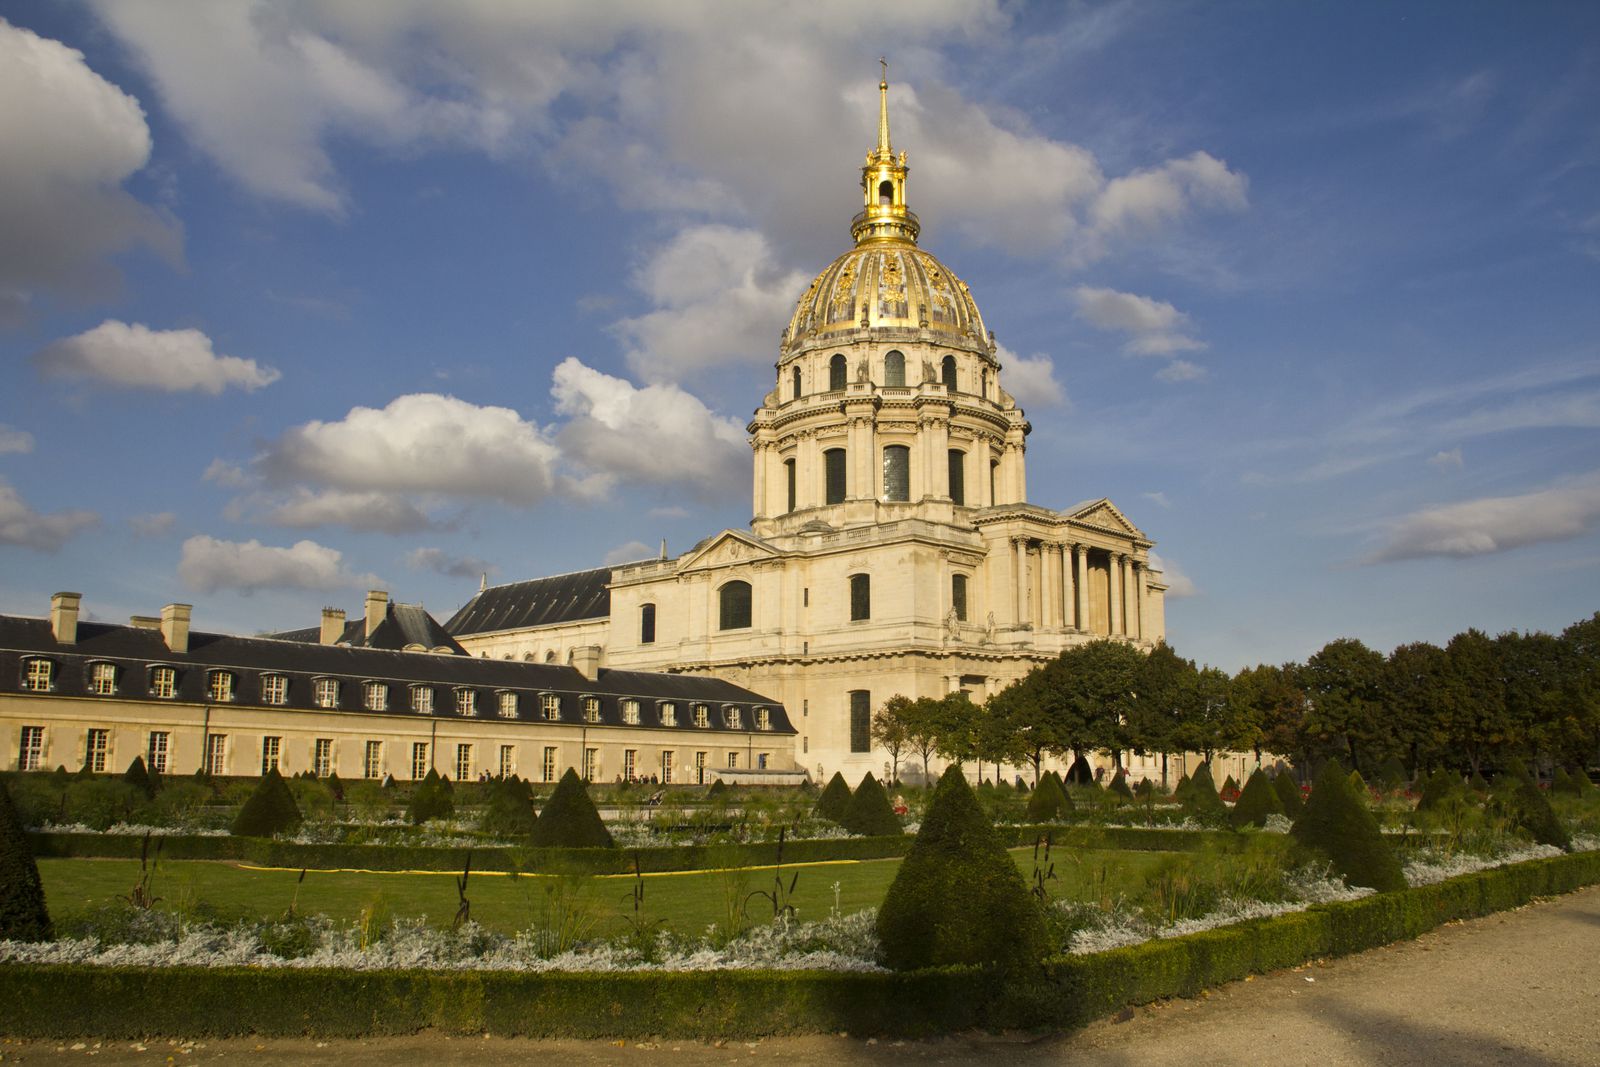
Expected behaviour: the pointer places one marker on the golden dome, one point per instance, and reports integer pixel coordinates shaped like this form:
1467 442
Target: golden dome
884 285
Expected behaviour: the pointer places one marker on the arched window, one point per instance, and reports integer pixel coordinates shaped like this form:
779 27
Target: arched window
958 596
796 375
983 378
647 624
886 193
833 476
860 597
896 472
947 373
994 478
958 476
788 473
836 373
894 368
734 602
550 656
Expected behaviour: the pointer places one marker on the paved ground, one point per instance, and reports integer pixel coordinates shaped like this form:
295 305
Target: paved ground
1519 988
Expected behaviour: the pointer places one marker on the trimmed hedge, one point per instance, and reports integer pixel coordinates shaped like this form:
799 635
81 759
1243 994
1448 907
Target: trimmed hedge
54 1001
23 915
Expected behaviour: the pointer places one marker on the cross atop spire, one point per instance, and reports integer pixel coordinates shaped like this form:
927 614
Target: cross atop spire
884 151
883 183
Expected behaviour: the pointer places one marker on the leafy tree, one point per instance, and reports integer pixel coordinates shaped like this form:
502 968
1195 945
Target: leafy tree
23 915
1413 681
1017 711
1343 681
1163 688
569 818
1273 708
925 722
1473 700
1537 670
1582 642
891 731
1088 695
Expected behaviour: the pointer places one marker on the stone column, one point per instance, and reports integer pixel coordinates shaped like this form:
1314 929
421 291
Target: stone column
1020 573
862 484
1069 615
1115 590
937 480
978 482
1050 552
761 457
807 460
1082 554
1139 580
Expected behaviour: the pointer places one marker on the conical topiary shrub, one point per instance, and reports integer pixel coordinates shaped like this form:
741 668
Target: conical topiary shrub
139 778
569 818
1337 823
958 898
1288 791
1230 788
1049 802
269 810
1580 778
1562 784
1119 786
1201 798
870 813
509 812
430 800
1529 810
1256 801
718 788
1478 783
1439 787
1180 792
23 916
1392 774
835 799
335 787
1080 773
1358 783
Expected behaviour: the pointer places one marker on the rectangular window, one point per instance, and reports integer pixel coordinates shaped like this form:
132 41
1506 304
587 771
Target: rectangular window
377 696
508 705
372 760
551 705
958 596
508 763
860 597
270 749
666 768
788 469
958 477
833 476
30 753
628 757
591 709
630 712
322 757
274 689
467 702
733 761
669 714
547 768
103 679
702 716
327 692
96 750
36 675
419 760
216 753
591 763
805 743
763 719
156 751
700 768
647 624
860 720
735 718
761 760
463 763
896 472
422 699
163 682
219 688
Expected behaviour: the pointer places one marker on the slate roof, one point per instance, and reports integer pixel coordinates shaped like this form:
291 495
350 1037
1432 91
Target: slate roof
402 625
536 602
134 650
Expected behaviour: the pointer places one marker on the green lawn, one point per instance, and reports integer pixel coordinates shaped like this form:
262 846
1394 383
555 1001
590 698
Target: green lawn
689 902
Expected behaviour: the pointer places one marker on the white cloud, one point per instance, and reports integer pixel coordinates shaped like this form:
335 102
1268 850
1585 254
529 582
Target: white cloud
1148 198
1492 524
158 524
208 564
441 562
1181 370
658 435
1450 460
118 354
671 511
419 443
1179 584
14 441
225 474
1154 327
631 552
1159 499
71 138
719 300
21 525
1031 379
303 509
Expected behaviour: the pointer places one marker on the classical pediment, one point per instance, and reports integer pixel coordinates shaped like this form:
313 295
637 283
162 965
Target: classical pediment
1103 515
726 549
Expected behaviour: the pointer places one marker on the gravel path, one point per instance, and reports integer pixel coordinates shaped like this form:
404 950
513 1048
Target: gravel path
1517 988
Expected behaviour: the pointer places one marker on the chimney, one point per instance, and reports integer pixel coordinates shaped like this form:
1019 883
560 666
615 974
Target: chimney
64 617
144 622
587 659
175 626
332 625
377 610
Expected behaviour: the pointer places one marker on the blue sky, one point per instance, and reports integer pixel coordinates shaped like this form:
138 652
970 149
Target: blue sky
301 298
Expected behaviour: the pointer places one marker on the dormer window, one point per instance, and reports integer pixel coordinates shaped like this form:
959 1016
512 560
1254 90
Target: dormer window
103 679
702 716
630 712
733 717
38 674
551 706
508 705
163 682
669 714
763 719
219 687
591 709
274 689
327 692
376 696
466 702
422 699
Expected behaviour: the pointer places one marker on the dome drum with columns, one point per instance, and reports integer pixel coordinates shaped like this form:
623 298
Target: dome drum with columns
892 548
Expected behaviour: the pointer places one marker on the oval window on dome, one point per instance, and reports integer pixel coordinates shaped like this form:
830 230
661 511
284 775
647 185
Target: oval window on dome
894 368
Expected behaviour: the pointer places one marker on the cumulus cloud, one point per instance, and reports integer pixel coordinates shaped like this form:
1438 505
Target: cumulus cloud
656 435
441 562
119 354
718 298
71 138
1446 460
1147 198
208 565
21 525
1154 327
305 509
1492 524
228 475
1181 370
1179 584
1031 379
631 552
157 524
13 440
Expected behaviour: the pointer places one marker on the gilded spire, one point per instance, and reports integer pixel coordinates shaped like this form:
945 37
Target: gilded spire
883 181
884 151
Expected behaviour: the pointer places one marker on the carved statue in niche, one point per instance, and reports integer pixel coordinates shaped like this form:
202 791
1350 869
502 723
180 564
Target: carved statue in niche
861 371
928 374
988 630
952 625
